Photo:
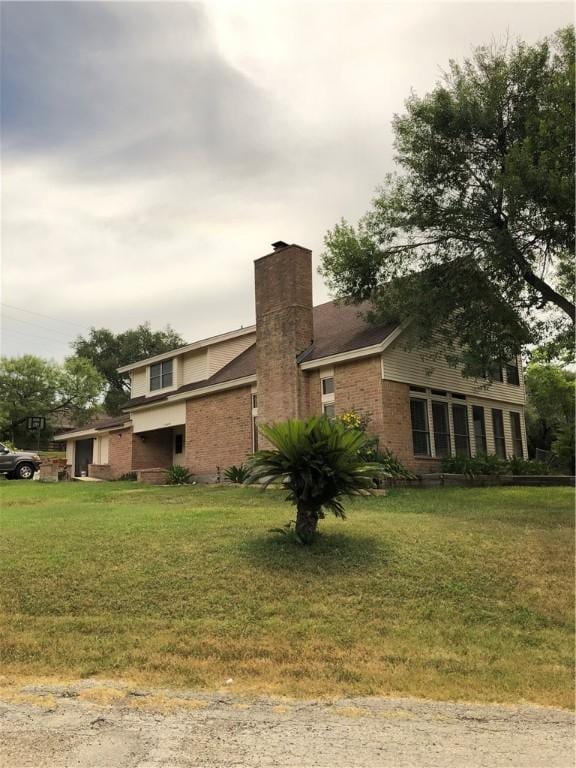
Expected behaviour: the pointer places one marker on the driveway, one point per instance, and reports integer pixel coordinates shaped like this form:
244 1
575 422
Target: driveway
109 725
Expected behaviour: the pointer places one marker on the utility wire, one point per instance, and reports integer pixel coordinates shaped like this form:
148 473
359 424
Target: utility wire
34 335
48 317
35 325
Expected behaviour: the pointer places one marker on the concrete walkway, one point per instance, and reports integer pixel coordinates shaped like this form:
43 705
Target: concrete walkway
96 725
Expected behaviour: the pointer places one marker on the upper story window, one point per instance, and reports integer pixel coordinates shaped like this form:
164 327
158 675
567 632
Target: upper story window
512 373
328 386
161 375
327 390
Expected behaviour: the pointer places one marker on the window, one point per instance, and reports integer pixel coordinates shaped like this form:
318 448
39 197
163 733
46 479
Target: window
327 393
494 373
441 428
178 443
161 375
460 422
329 410
512 374
420 431
328 386
499 438
254 404
517 446
479 428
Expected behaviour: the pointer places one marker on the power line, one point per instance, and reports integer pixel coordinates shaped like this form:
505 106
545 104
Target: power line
35 325
48 317
34 335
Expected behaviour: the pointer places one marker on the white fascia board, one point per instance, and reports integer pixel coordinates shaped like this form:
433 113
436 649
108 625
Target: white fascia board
232 384
188 348
88 432
354 354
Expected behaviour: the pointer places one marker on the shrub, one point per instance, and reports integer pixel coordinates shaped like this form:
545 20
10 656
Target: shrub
178 475
519 466
482 464
319 461
236 474
129 476
392 466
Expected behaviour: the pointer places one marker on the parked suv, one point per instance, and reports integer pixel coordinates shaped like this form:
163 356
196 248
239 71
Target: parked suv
20 464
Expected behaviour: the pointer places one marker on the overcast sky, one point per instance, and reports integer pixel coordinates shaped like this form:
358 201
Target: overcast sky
151 151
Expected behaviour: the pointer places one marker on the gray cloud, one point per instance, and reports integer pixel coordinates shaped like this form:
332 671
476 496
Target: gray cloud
151 151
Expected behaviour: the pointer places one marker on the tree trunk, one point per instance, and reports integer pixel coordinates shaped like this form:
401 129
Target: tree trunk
306 524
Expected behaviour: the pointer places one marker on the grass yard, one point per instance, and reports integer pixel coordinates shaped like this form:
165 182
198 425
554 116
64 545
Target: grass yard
449 594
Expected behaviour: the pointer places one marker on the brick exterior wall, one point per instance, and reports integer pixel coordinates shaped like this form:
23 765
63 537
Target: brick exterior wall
284 329
152 449
120 452
218 431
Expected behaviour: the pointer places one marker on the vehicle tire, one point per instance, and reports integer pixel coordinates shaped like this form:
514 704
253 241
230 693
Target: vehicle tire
24 471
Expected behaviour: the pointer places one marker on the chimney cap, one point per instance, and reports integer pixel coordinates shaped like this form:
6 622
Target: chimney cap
279 244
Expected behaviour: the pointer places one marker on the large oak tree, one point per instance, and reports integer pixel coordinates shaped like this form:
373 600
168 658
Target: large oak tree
473 238
108 351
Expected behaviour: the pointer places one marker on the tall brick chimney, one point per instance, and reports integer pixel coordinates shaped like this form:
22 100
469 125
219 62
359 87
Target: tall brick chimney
284 329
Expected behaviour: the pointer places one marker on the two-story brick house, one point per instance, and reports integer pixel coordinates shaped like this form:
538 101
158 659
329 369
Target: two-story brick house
200 405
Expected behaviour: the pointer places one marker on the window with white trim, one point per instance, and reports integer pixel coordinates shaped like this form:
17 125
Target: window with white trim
479 428
460 427
512 373
161 375
420 429
254 404
442 442
515 426
327 393
499 436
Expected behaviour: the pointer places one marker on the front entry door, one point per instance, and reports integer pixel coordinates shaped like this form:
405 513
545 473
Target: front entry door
83 456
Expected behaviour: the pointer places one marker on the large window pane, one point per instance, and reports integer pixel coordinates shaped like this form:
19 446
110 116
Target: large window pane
167 373
516 434
460 422
156 376
327 386
479 428
441 429
499 438
512 375
420 431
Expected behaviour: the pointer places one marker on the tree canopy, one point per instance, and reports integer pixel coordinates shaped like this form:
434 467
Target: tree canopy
108 351
550 393
475 233
31 386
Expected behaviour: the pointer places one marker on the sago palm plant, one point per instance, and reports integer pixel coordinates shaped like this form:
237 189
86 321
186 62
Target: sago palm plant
319 461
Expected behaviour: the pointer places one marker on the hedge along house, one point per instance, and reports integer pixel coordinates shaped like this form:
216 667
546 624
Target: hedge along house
200 405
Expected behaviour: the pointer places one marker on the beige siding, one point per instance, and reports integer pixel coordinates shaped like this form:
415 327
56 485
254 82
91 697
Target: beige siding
139 379
70 451
423 369
194 366
221 354
160 417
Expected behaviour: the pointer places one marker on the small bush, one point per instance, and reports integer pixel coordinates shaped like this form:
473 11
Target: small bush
518 466
236 474
129 476
482 464
178 475
392 466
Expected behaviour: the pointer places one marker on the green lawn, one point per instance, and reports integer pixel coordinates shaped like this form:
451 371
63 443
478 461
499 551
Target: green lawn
448 594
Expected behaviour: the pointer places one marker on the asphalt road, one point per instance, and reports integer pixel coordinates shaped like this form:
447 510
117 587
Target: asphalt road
96 725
